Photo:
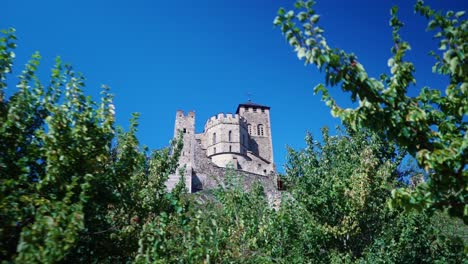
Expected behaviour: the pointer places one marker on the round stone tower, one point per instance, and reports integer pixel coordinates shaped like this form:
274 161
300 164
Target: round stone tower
226 138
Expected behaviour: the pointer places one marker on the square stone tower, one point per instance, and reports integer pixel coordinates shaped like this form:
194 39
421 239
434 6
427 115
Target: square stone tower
259 129
184 124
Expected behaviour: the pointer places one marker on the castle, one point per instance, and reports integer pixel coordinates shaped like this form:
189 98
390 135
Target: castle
240 142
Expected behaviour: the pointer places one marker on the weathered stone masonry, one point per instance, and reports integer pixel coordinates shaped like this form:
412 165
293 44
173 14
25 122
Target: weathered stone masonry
241 142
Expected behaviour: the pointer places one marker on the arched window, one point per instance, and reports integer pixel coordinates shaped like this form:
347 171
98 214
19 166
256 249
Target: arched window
260 130
230 136
249 128
214 138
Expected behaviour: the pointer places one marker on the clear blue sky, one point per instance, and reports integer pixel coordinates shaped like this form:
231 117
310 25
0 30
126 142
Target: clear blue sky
207 55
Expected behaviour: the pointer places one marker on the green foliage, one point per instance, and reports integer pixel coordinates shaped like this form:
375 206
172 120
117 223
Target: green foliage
431 126
344 184
416 238
71 188
51 147
337 210
224 225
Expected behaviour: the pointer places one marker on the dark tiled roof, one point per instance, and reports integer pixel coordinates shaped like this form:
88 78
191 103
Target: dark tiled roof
251 104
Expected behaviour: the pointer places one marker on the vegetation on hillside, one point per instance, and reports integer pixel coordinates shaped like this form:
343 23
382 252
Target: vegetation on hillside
75 189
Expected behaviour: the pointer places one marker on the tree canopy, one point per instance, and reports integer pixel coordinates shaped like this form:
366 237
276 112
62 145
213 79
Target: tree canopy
431 126
72 187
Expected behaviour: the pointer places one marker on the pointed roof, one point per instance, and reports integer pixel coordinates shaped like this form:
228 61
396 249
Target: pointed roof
251 104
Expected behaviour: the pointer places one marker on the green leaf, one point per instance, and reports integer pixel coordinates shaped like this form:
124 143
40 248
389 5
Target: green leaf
454 62
277 21
432 24
281 12
314 19
302 16
310 42
459 14
319 88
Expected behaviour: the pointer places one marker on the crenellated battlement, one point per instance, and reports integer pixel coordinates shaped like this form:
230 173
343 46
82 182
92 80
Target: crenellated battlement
227 118
181 113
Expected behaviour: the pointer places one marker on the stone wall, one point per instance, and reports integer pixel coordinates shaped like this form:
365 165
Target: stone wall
185 124
207 175
223 134
260 139
235 154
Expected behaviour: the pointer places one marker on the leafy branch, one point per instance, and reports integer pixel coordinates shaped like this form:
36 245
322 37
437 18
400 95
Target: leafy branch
431 126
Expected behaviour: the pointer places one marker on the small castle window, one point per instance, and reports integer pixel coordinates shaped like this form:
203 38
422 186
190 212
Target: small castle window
255 110
214 150
230 135
214 138
249 128
260 130
185 130
230 148
263 110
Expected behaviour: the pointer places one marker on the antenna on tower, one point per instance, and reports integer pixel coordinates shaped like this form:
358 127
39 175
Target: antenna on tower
249 97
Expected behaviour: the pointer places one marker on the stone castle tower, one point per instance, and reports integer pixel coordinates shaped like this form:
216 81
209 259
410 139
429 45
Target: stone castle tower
241 142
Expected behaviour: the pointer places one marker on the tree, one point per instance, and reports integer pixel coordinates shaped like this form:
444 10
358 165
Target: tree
222 225
71 188
337 210
431 126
